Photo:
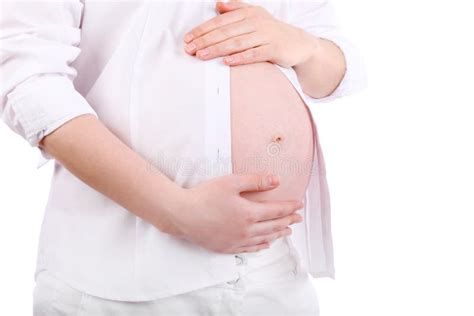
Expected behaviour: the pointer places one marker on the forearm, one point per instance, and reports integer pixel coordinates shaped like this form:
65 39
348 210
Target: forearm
95 155
321 73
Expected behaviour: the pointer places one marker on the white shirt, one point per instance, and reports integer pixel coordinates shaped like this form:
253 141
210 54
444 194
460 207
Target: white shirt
124 62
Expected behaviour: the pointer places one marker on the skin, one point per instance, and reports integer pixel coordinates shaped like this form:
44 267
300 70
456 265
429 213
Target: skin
270 130
246 34
95 155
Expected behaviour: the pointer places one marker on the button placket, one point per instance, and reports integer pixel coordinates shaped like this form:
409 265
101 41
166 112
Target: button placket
241 262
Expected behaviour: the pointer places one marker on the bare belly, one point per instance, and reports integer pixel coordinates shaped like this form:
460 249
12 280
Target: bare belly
271 130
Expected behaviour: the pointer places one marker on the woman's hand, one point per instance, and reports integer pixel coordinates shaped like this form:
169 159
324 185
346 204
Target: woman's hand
215 216
247 34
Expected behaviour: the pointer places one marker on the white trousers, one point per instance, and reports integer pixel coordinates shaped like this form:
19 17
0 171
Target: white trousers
270 282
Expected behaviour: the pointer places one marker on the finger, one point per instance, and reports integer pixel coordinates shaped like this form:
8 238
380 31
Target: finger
251 248
250 56
219 35
254 182
270 210
223 7
214 23
232 45
273 226
269 238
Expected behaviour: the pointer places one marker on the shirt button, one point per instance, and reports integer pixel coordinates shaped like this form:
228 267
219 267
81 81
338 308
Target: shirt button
239 259
234 281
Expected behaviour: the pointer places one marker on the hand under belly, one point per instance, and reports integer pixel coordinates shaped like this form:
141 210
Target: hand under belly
271 130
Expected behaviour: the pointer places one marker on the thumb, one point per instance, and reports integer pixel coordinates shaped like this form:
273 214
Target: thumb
254 182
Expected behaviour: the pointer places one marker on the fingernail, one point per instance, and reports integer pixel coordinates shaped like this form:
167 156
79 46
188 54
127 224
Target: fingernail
190 47
269 180
272 180
188 37
228 59
203 52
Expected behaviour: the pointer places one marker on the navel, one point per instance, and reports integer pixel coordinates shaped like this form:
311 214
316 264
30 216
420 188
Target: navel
274 147
277 138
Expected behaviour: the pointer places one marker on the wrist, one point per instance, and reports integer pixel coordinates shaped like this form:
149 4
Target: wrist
310 48
171 205
162 201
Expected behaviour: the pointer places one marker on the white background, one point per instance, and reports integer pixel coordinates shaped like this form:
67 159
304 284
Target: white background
400 168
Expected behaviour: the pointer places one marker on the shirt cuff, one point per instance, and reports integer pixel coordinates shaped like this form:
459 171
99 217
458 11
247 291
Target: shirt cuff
44 157
355 77
41 104
353 81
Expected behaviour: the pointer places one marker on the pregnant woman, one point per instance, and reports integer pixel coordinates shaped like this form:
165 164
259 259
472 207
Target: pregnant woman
166 121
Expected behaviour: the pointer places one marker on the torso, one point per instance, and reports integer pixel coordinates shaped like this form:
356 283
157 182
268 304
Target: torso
271 130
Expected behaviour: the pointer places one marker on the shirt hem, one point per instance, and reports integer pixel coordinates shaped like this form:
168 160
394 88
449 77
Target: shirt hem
138 297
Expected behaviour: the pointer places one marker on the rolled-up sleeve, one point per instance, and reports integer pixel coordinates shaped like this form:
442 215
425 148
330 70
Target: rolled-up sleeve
318 18
38 42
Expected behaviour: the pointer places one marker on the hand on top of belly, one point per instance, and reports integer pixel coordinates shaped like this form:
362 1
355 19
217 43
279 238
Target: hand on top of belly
245 34
214 215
